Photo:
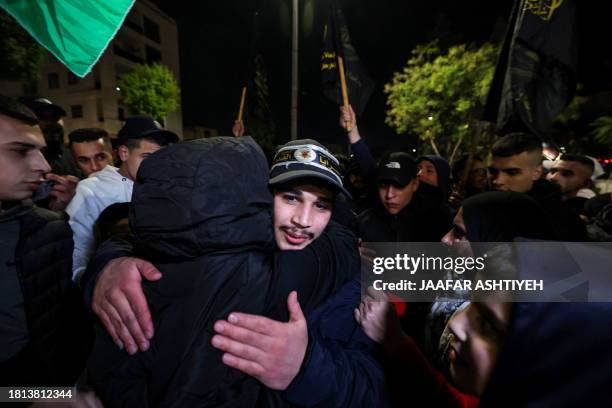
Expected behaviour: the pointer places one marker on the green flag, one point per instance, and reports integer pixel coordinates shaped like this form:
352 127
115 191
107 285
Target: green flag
76 31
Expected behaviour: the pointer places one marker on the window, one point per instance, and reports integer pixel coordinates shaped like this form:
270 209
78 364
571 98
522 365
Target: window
53 80
72 79
77 111
153 55
151 29
121 114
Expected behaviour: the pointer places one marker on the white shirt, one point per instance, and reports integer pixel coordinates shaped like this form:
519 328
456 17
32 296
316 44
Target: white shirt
93 195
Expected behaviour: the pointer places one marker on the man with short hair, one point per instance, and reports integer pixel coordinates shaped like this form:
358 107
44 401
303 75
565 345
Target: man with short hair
40 344
91 149
516 165
139 137
572 173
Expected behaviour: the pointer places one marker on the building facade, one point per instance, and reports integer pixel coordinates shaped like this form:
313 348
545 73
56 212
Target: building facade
148 35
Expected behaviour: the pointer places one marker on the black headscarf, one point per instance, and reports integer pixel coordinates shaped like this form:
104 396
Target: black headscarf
555 355
502 216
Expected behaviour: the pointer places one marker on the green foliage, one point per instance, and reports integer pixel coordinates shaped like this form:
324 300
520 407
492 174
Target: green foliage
573 111
21 57
438 93
258 115
602 130
261 129
150 90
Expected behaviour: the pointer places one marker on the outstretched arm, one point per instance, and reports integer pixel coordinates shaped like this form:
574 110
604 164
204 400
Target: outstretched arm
330 362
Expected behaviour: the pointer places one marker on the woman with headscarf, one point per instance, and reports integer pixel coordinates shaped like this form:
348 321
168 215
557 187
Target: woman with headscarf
489 217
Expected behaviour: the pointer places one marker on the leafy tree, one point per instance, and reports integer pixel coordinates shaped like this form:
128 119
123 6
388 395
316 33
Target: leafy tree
258 120
149 90
21 57
602 130
438 95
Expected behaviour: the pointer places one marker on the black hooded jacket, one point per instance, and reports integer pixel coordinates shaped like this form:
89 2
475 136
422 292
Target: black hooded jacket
568 225
417 222
502 216
555 355
201 212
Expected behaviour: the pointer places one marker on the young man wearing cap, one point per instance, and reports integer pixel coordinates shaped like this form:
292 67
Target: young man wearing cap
139 137
91 150
50 119
304 181
39 308
401 214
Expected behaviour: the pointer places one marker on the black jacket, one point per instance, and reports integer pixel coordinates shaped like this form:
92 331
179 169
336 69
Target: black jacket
201 211
57 321
568 225
417 222
555 355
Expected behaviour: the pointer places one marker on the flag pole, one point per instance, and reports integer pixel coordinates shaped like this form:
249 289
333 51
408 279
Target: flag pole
294 72
345 98
242 100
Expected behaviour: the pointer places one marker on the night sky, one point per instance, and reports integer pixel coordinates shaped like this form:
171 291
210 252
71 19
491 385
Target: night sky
214 39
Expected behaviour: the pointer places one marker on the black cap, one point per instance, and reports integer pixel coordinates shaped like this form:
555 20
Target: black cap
138 127
399 168
10 107
306 158
43 108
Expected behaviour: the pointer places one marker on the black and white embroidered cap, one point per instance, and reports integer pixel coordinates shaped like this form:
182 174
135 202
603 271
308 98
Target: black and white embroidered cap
306 158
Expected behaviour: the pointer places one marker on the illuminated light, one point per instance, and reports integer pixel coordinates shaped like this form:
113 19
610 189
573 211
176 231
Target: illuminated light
118 89
430 118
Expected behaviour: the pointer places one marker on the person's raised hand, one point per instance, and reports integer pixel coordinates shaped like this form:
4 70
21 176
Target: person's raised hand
63 191
266 349
378 319
120 303
238 128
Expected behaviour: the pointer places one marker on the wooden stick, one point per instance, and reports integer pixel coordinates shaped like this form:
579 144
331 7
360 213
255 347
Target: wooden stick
345 98
242 100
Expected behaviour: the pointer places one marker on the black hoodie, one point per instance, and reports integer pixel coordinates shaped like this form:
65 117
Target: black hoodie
567 223
201 211
555 355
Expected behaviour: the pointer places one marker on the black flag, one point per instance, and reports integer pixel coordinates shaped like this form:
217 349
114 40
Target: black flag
535 77
337 42
258 91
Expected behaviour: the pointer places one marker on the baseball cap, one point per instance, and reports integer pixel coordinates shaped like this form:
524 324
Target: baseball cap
16 110
44 108
306 158
138 127
399 168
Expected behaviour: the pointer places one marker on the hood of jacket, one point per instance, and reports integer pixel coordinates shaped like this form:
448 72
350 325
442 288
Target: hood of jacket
201 196
544 190
442 168
501 216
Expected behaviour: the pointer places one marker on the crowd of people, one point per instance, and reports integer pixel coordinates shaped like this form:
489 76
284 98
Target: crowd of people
146 271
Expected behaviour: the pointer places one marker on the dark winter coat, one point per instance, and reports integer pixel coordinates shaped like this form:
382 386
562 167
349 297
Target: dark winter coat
555 355
417 222
57 321
568 225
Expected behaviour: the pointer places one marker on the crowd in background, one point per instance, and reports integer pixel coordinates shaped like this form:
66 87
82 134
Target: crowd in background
152 272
